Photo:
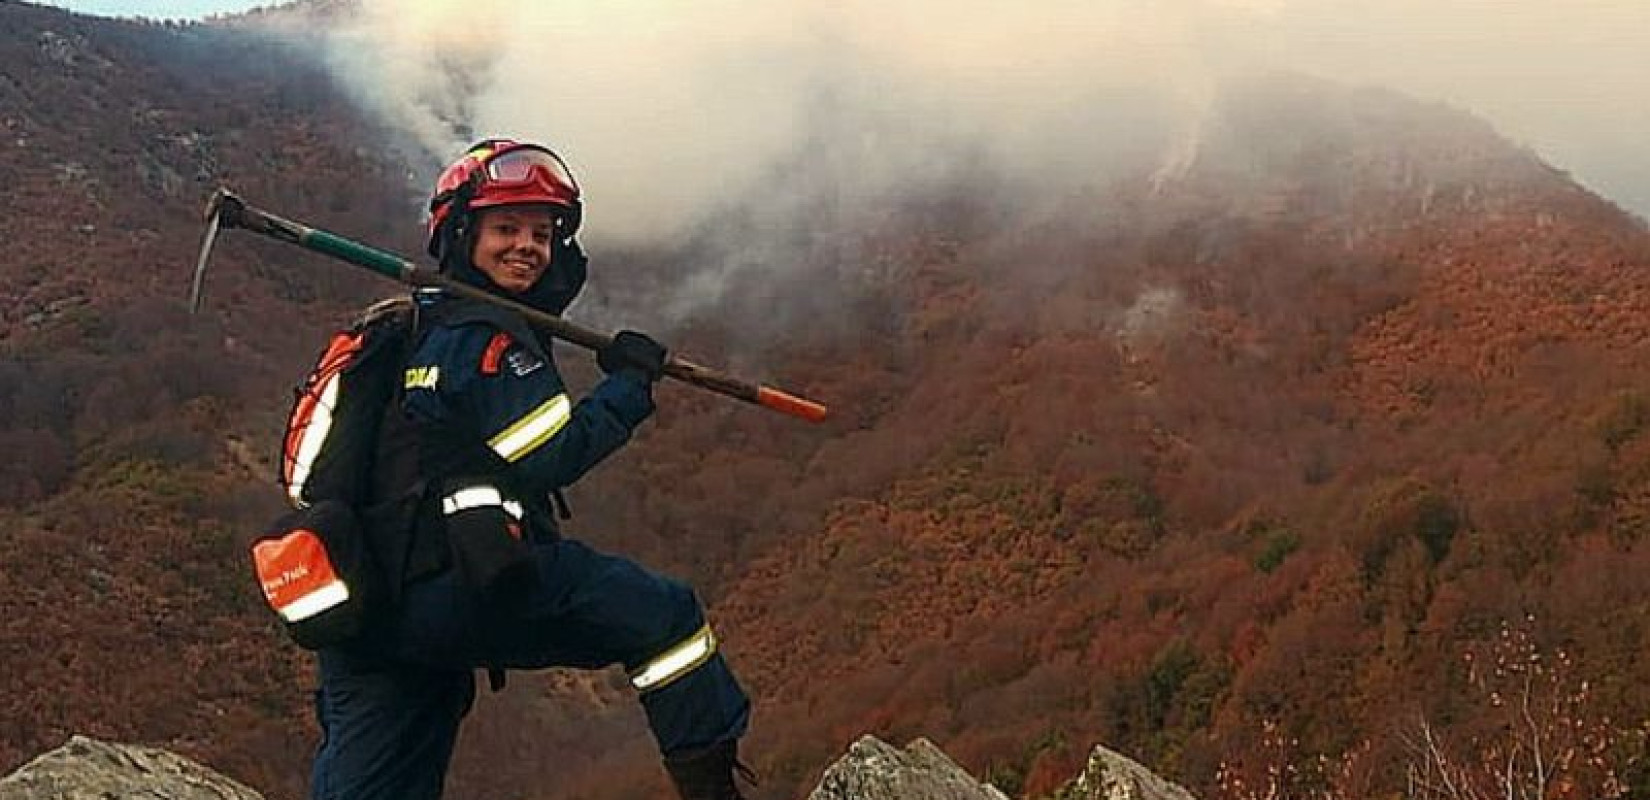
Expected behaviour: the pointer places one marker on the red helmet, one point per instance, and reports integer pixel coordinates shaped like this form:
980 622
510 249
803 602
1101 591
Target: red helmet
501 172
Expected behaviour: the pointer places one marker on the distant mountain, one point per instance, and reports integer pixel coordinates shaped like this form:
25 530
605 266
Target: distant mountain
1235 458
1269 442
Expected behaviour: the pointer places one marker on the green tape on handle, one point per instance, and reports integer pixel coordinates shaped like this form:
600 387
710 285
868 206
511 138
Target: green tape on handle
385 263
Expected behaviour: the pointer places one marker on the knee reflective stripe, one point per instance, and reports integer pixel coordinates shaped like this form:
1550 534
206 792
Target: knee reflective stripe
478 497
679 660
533 429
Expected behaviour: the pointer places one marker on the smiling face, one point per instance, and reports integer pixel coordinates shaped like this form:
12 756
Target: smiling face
513 245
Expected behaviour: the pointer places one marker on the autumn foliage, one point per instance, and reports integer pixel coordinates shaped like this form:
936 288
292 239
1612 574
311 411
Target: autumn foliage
1226 471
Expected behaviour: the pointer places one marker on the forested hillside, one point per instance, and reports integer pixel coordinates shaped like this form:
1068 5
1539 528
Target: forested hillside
1318 442
137 438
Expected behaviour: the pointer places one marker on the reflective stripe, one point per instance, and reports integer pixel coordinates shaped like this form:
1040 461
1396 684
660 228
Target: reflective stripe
315 602
314 435
677 661
532 430
473 497
478 497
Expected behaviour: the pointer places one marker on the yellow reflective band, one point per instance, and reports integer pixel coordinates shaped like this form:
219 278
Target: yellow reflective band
677 661
532 430
421 377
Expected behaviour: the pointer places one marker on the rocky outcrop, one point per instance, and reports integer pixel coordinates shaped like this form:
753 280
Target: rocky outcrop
1110 775
876 770
87 769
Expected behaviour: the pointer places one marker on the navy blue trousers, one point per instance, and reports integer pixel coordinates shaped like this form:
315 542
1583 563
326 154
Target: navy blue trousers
390 704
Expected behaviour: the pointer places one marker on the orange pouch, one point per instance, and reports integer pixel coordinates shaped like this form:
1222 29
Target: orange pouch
316 574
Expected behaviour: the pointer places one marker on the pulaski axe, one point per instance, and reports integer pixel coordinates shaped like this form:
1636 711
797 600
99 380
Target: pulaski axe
226 210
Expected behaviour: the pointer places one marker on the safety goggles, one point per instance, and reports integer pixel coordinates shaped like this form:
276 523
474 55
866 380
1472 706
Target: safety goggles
525 165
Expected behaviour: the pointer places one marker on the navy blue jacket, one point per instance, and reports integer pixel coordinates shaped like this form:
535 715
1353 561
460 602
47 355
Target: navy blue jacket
483 404
481 370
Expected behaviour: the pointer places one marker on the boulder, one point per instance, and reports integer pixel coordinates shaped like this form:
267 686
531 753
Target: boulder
88 769
1110 775
876 770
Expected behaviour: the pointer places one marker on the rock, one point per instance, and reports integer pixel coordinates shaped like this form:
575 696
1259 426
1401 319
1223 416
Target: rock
71 51
87 769
875 770
1114 776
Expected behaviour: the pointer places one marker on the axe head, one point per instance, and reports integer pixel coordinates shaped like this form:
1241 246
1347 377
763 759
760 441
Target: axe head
222 209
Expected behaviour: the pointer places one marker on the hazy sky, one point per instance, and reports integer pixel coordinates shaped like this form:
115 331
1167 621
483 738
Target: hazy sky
157 9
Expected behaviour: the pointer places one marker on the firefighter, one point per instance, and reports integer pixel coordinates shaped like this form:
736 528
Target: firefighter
464 520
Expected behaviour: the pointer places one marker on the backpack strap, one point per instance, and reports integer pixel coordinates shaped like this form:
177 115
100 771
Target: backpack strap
463 310
385 309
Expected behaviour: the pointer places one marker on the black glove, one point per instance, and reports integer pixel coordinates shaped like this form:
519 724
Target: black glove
633 352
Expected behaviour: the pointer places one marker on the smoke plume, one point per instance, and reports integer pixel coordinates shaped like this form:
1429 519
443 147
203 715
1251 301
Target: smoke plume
810 115
667 108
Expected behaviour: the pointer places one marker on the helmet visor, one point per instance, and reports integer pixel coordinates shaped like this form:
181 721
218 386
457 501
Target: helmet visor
526 165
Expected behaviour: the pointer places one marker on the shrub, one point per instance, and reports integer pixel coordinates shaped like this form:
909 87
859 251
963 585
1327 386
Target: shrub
1280 543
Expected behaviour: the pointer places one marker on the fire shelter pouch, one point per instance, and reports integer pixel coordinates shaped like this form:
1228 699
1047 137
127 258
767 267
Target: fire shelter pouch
317 574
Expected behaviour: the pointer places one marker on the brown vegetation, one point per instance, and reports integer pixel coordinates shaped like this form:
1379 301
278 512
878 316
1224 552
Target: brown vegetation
1252 454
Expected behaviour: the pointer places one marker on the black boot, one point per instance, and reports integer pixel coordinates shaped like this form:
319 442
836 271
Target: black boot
708 774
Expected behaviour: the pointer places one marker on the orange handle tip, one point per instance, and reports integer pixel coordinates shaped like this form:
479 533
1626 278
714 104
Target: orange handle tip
790 404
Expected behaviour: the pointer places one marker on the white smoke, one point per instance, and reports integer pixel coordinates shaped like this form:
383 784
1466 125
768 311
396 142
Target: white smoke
666 108
1570 79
